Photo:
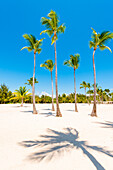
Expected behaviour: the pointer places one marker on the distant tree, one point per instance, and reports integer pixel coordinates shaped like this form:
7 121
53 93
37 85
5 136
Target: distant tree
84 85
30 82
49 65
5 94
35 46
74 63
21 94
98 41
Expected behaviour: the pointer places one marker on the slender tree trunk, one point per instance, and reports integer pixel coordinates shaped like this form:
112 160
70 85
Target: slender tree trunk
33 89
89 96
53 109
22 102
76 110
58 113
94 113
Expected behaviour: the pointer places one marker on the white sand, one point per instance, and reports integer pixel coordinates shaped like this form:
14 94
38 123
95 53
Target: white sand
76 141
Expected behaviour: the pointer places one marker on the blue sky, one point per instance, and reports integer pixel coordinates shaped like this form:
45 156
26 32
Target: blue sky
19 17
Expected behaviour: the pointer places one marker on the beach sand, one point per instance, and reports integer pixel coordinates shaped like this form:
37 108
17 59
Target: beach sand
75 141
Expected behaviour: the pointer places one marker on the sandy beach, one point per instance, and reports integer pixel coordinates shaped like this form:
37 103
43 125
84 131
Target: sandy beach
76 141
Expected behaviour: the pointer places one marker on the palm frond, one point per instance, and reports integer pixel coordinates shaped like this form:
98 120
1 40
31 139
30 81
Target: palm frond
61 28
103 47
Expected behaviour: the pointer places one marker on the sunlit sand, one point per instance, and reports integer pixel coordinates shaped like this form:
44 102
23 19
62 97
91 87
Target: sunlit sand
75 141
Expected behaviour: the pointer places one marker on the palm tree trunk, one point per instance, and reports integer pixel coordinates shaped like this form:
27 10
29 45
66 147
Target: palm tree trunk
22 102
76 110
53 109
58 113
94 113
32 95
33 89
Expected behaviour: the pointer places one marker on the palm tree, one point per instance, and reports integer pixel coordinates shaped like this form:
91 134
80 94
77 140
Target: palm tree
35 46
89 87
22 93
84 85
74 62
48 64
98 41
30 82
53 29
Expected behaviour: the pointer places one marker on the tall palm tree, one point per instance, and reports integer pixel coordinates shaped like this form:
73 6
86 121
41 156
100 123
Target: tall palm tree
74 62
35 46
53 29
48 64
22 93
98 41
83 85
30 82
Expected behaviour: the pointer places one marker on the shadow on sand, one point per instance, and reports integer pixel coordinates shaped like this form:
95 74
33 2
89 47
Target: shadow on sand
19 106
58 142
48 114
107 124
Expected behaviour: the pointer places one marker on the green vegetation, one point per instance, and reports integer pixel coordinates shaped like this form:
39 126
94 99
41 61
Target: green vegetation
6 96
21 94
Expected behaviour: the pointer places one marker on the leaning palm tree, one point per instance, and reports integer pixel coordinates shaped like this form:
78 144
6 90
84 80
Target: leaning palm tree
98 41
35 46
30 82
53 29
74 62
83 85
21 94
48 64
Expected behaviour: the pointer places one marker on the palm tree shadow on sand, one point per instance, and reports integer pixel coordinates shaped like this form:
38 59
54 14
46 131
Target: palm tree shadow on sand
107 124
58 142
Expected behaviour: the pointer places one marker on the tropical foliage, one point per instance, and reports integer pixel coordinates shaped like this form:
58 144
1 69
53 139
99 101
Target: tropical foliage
22 94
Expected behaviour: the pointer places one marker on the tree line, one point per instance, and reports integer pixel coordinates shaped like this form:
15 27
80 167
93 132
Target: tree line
22 95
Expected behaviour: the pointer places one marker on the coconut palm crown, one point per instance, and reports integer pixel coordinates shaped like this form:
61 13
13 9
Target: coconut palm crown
30 81
99 40
34 44
74 61
48 64
52 25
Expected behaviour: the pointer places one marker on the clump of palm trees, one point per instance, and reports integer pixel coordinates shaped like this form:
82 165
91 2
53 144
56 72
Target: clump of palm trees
53 28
